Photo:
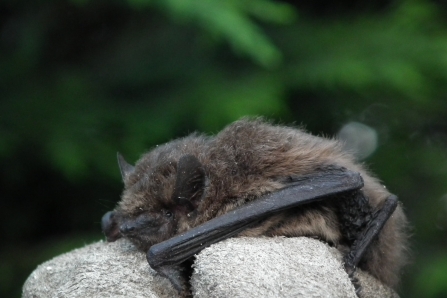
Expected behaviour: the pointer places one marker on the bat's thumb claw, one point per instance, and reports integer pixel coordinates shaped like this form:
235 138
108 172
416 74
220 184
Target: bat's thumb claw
177 277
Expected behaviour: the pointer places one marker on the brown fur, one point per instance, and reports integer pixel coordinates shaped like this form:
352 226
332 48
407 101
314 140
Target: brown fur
244 161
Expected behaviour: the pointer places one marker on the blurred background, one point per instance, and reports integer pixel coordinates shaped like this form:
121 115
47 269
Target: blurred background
83 79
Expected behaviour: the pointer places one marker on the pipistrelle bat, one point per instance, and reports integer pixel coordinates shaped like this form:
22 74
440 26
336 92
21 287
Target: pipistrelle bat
256 179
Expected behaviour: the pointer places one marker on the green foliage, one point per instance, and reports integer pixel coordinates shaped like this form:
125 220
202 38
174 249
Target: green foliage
80 80
431 282
232 21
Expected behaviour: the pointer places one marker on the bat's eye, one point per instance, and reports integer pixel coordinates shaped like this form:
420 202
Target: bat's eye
168 214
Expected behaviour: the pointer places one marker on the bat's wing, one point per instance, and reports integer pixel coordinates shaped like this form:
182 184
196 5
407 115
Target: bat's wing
165 256
369 233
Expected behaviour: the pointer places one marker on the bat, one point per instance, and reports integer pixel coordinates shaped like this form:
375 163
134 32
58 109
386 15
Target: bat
256 179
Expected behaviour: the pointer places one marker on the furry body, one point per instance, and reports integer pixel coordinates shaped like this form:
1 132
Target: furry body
247 159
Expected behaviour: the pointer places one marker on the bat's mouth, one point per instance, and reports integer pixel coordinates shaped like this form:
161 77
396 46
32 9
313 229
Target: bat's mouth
140 240
113 236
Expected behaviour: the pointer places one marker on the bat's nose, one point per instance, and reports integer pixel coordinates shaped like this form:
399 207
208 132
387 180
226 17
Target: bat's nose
107 221
127 228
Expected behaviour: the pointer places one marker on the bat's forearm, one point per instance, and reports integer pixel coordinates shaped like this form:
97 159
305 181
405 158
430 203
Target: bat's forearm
302 190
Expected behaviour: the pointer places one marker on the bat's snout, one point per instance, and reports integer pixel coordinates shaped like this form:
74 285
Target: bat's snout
109 226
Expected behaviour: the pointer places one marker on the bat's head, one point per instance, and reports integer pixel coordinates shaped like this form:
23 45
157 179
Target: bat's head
159 198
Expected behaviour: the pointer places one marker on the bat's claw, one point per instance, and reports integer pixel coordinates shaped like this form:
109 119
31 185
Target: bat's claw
350 270
178 278
358 290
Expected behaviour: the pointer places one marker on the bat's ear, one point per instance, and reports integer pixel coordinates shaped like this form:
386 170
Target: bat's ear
125 168
189 184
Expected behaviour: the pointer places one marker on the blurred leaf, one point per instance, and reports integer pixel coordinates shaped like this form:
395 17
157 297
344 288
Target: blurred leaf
432 280
234 98
231 20
269 11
